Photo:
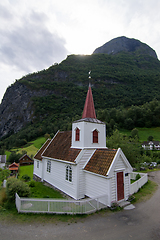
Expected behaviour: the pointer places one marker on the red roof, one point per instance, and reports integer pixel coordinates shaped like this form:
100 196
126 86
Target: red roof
89 110
14 166
60 148
101 161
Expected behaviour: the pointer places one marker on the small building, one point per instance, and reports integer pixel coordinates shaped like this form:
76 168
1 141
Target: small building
79 164
2 161
14 168
25 160
151 145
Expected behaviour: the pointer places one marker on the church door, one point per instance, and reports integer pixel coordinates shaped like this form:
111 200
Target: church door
120 186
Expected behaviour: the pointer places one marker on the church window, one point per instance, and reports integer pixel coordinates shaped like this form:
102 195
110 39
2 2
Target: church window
77 134
95 136
37 164
69 173
49 166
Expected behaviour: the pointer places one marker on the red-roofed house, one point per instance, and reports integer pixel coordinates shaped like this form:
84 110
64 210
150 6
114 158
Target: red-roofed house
78 162
14 168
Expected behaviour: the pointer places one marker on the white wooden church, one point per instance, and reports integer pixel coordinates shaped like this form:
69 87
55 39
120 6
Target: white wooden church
79 164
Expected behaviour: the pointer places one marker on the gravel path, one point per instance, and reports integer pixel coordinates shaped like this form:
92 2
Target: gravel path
143 222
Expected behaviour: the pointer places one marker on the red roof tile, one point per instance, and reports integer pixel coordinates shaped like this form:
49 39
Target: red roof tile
89 110
60 147
14 166
100 161
39 153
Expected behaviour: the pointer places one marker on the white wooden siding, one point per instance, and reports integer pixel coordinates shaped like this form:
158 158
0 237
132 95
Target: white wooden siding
57 177
127 186
120 166
81 179
96 186
37 171
113 188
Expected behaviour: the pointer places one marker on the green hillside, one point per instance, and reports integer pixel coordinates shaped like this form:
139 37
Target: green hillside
123 85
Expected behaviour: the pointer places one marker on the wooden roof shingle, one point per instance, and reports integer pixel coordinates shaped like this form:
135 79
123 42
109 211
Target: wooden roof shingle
101 161
38 155
60 148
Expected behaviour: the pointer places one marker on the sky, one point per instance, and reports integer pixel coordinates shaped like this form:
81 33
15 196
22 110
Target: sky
35 34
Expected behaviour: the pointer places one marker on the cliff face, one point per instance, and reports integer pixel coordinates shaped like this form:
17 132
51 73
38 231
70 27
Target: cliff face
16 109
124 44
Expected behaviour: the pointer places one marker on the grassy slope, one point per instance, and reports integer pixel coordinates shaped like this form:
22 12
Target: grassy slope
31 149
144 133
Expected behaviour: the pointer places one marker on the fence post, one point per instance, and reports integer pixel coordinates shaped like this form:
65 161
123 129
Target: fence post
48 206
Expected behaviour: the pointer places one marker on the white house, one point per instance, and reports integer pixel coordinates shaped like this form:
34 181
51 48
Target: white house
151 145
79 164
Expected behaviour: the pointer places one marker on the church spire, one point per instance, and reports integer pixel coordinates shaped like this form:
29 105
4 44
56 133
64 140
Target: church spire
89 110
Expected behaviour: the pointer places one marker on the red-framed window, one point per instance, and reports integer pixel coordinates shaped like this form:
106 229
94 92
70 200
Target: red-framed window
77 134
95 136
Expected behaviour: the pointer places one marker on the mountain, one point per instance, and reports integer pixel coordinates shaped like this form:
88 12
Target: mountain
124 44
51 99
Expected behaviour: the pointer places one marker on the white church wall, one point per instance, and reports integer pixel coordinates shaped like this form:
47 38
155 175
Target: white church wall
97 186
37 168
57 177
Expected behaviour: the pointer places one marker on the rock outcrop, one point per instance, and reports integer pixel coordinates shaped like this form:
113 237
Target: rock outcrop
16 109
124 44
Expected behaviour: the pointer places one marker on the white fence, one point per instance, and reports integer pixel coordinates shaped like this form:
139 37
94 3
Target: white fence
134 187
60 206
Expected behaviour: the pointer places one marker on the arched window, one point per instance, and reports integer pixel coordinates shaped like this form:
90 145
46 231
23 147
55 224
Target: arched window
69 173
95 136
77 134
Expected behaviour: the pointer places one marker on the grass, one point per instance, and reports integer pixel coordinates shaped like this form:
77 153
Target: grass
146 191
26 170
144 133
39 142
31 148
41 191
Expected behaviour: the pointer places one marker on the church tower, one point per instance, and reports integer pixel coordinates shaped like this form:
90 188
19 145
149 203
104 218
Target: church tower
88 132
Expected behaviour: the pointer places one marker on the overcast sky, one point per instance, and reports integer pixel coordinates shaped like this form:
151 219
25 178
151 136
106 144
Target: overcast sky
34 34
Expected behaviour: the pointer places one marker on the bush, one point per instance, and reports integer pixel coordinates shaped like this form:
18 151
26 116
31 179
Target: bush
3 196
15 185
26 178
138 176
32 184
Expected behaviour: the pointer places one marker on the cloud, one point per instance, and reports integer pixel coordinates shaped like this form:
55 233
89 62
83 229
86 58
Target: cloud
30 45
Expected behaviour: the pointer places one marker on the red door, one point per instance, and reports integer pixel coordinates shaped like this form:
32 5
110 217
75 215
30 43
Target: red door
120 186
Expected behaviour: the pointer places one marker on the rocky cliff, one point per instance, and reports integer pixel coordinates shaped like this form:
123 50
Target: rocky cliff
16 109
124 44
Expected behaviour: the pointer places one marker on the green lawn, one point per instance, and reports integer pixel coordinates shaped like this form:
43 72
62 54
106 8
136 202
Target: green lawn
41 191
39 142
144 133
26 170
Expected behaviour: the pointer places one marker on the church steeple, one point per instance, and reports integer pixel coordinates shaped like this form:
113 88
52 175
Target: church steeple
89 110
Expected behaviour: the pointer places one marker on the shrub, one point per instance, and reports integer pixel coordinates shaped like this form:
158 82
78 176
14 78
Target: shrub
15 185
32 184
26 178
138 176
3 196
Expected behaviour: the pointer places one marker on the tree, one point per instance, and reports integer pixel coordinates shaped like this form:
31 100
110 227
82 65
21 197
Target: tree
150 138
14 157
134 133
